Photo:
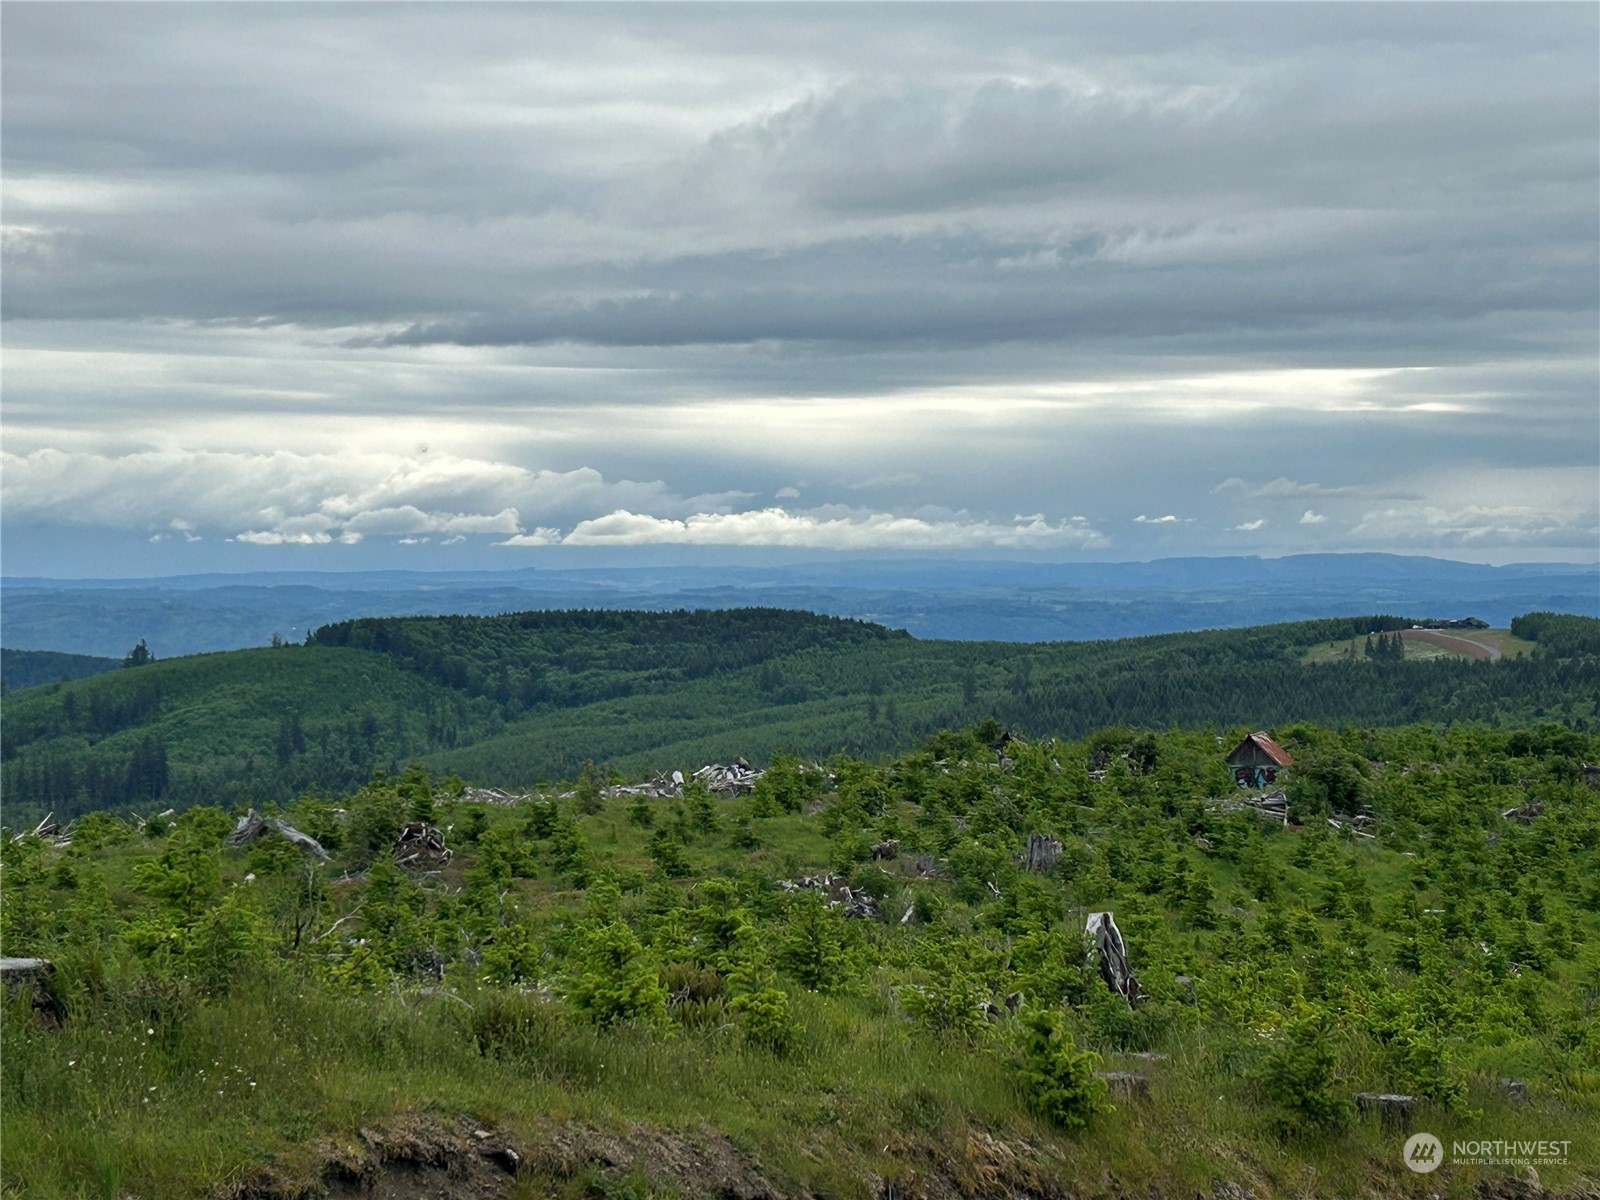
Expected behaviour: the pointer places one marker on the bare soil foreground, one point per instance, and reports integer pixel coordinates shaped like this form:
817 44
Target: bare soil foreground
420 1157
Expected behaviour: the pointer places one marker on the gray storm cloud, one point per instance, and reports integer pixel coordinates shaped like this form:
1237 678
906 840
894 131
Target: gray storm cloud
985 260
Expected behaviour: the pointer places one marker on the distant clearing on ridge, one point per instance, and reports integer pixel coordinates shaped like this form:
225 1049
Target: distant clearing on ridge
1481 644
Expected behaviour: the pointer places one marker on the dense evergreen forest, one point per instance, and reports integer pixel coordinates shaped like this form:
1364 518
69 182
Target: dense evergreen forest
29 668
860 979
511 700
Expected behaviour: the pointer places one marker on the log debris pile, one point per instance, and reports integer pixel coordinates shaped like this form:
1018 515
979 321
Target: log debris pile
1272 805
420 845
1362 824
661 787
478 795
49 830
1041 853
1525 814
1106 939
252 826
738 778
839 894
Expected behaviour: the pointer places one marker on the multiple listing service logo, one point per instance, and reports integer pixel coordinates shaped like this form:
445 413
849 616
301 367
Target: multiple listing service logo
1423 1152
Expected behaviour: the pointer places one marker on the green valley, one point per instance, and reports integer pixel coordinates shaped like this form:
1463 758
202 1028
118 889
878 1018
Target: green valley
512 700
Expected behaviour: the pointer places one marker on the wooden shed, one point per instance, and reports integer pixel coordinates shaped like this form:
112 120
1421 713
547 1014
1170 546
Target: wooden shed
1257 760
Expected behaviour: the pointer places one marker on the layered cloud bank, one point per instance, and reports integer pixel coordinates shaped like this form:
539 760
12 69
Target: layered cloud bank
1192 279
284 498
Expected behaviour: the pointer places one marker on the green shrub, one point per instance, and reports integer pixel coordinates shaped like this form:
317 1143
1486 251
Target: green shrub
1299 1076
614 979
1056 1077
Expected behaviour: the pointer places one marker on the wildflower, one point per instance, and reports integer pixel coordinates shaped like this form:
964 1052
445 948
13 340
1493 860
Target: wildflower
151 1032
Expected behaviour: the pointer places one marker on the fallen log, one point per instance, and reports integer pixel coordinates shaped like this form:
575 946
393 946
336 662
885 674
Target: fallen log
252 826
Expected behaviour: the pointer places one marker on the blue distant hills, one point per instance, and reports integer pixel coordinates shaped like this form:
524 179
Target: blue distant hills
931 598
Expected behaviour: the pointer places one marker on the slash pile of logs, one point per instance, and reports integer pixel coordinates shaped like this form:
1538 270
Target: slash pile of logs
1274 805
49 830
738 778
420 845
489 795
661 787
856 902
1525 814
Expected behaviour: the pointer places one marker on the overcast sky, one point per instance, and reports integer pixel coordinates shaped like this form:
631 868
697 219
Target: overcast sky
461 285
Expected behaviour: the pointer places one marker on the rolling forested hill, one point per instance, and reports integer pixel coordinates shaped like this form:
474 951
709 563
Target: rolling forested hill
508 700
29 668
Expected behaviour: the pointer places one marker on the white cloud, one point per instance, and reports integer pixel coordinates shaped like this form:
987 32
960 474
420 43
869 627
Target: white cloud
542 536
824 530
409 519
1169 519
786 493
1250 526
1312 518
1480 524
310 499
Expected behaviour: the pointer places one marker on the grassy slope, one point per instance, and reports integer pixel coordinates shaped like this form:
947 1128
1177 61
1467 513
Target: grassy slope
155 1093
1502 639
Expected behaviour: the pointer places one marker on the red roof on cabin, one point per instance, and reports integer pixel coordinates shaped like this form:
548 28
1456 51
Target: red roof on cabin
1270 748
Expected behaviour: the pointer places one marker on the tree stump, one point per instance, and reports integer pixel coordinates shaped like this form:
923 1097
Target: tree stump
1393 1109
33 977
1040 853
1125 1085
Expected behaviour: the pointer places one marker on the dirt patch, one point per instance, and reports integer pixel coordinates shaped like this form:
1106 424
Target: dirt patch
1481 651
414 1157
421 1157
704 1165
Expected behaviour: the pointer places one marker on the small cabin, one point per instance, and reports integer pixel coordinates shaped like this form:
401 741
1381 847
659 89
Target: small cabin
1257 760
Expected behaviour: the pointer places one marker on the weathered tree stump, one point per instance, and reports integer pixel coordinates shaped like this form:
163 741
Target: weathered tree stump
252 826
1041 853
1126 1085
1515 1089
1113 955
33 976
1392 1108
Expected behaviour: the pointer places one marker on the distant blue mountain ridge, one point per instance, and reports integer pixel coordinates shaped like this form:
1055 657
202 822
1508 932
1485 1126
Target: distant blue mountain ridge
930 597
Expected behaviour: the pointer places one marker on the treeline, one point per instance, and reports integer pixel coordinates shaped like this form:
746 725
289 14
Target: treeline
1560 635
524 661
512 700
29 668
